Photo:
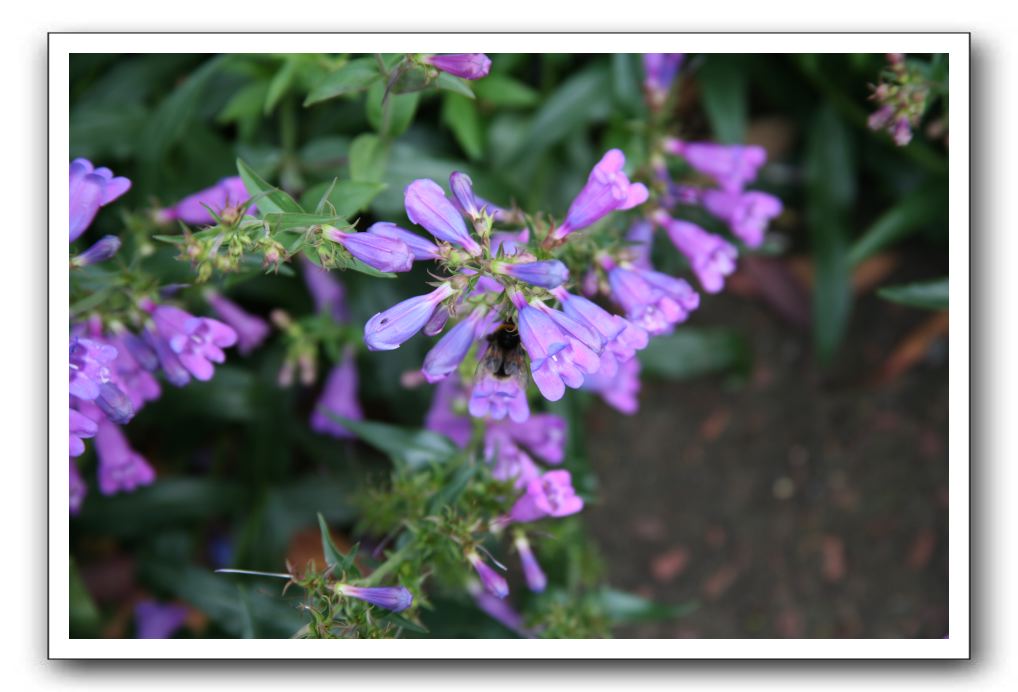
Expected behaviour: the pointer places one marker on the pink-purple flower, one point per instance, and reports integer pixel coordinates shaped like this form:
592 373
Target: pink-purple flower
120 467
427 206
387 330
251 329
228 193
607 190
326 291
197 342
394 598
339 397
731 165
620 389
711 257
465 65
747 213
382 252
551 495
78 488
446 355
532 572
420 248
154 620
653 301
493 582
90 189
543 273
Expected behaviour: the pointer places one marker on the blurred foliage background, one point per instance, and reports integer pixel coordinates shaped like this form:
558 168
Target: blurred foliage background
240 473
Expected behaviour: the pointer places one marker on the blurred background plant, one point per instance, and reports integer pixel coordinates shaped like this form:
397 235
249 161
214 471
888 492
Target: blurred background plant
240 472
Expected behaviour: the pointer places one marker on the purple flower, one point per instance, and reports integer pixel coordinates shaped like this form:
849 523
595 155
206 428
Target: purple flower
326 291
427 206
120 467
80 426
641 235
339 397
551 495
747 213
381 252
544 273
901 132
100 251
558 356
251 329
114 403
465 65
652 301
711 257
501 612
154 620
394 598
420 248
510 242
622 338
731 165
544 434
436 323
468 203
387 330
228 193
445 356
880 118
78 488
509 462
660 70
129 374
173 369
493 582
91 188
196 341
620 389
442 416
89 363
498 397
532 572
607 190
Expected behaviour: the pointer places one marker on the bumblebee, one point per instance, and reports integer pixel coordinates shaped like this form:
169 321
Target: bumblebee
504 357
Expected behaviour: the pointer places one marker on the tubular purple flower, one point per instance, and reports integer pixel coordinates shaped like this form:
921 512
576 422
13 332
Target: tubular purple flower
251 329
442 417
653 301
607 190
228 193
532 572
114 403
711 257
100 251
551 495
660 70
120 467
544 273
445 356
78 489
880 118
747 213
509 462
427 206
420 248
88 364
901 132
558 358
498 397
394 598
468 203
154 620
196 341
326 291
381 252
80 426
135 381
91 188
544 434
436 323
731 165
510 243
619 390
641 235
465 65
339 397
388 330
501 612
493 582
173 369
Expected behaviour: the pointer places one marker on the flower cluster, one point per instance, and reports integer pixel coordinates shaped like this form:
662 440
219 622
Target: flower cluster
901 97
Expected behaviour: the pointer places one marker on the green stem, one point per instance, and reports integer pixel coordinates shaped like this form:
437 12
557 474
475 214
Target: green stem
391 563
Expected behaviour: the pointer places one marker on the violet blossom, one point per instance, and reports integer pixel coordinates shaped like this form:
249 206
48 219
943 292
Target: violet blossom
129 374
621 338
420 248
543 273
446 355
89 365
120 467
80 426
197 342
442 416
465 65
91 188
711 257
660 70
381 252
427 206
653 301
77 488
731 165
747 213
532 572
619 390
251 329
607 190
389 329
394 598
339 397
468 203
326 291
100 251
551 495
500 611
228 193
493 582
155 620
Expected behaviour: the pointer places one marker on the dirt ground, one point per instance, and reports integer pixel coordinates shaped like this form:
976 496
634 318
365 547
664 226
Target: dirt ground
800 503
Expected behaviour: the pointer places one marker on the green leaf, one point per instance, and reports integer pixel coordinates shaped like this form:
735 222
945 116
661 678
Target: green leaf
339 562
355 76
831 190
414 448
503 91
456 85
924 206
692 352
621 607
461 115
626 80
280 222
280 84
931 295
390 116
400 621
272 198
247 102
325 153
723 84
348 197
368 155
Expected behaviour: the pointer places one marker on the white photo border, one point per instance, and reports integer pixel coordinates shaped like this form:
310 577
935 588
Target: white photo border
956 45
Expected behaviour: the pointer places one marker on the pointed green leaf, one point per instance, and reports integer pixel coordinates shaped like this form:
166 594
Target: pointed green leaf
400 621
355 76
461 115
922 207
456 85
368 156
724 86
390 116
280 84
411 447
501 90
272 199
348 197
334 556
931 295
